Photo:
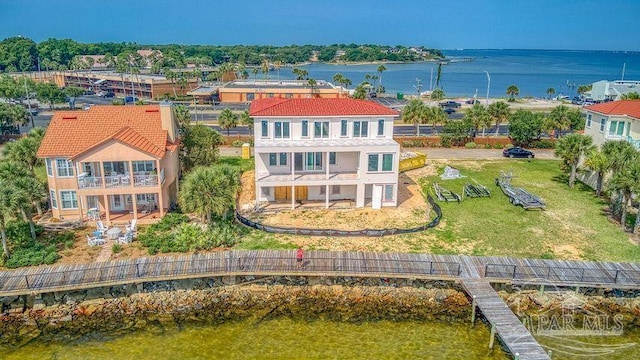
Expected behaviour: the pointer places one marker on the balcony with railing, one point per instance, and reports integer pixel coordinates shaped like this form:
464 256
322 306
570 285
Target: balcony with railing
89 182
145 180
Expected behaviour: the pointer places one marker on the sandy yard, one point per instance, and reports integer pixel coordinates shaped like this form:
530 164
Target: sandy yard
412 209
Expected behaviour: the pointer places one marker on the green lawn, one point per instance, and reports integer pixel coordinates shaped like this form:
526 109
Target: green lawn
573 225
237 161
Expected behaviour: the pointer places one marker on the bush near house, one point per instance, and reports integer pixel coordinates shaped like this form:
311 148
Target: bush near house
27 252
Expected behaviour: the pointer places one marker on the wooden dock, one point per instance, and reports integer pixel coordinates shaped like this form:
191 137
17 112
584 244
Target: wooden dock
474 273
504 322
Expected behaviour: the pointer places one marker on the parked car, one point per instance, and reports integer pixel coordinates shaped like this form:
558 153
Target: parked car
130 99
109 95
449 111
89 92
9 130
472 102
518 152
450 103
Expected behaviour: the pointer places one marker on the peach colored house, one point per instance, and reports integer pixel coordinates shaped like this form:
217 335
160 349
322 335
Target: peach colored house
112 162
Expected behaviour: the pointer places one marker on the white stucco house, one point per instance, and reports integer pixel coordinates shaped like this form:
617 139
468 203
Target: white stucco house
611 90
615 120
325 150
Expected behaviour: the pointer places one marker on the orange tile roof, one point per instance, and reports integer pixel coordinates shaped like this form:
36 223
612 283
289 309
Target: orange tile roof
621 107
317 107
71 133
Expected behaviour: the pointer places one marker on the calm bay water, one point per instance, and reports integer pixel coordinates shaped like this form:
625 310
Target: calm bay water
281 338
533 71
284 338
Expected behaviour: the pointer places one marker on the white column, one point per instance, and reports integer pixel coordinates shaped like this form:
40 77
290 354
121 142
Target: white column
326 155
134 199
293 197
326 192
360 196
107 209
293 166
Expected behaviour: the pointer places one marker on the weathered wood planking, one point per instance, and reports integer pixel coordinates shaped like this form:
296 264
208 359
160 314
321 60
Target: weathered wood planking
513 334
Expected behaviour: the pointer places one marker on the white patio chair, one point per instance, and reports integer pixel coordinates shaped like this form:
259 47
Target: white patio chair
102 227
132 227
93 241
126 239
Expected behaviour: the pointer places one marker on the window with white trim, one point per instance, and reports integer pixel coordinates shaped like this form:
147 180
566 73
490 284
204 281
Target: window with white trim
388 193
64 167
283 159
588 120
273 159
69 199
321 129
387 162
145 198
343 128
281 129
264 128
381 127
47 162
305 128
373 162
361 129
332 158
143 166
377 162
603 124
52 197
276 159
313 161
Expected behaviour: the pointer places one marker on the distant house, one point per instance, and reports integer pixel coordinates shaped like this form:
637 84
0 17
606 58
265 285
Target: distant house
249 90
112 162
615 120
611 90
325 150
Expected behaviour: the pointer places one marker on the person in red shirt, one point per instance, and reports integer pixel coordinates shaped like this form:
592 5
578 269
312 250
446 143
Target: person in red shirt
299 256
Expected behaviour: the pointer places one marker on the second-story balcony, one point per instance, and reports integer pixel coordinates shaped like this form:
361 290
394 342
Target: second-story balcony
145 180
89 182
119 181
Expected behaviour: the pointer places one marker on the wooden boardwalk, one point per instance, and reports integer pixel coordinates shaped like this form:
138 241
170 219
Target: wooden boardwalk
474 273
507 325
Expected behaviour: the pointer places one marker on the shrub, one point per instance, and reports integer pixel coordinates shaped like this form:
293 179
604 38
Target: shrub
413 143
470 145
32 254
169 222
446 141
508 146
544 144
20 232
487 146
498 146
116 248
117 102
237 143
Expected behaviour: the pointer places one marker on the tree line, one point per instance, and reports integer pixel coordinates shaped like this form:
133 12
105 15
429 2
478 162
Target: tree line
23 54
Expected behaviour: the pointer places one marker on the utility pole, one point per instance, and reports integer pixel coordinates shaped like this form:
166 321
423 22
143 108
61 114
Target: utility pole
26 91
488 86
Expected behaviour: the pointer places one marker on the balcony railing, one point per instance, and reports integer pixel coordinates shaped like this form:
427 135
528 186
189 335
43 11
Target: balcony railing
145 180
89 182
117 181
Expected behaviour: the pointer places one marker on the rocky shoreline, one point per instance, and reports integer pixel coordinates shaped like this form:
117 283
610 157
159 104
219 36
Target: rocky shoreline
159 311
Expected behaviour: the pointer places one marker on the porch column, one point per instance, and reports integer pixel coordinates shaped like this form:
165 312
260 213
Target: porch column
360 195
134 200
80 199
326 194
131 178
326 155
293 197
104 184
293 166
161 202
107 209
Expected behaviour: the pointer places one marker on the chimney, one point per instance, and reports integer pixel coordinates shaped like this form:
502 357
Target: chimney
168 120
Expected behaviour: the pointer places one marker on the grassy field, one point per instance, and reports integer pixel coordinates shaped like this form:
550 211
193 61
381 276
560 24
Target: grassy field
573 226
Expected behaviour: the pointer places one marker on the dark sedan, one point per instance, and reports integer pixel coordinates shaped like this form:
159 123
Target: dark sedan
517 152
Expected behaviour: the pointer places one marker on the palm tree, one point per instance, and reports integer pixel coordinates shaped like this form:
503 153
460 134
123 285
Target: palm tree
338 78
627 182
9 204
265 68
571 148
597 161
414 113
559 119
277 65
437 95
210 191
255 72
312 84
479 117
630 96
30 193
436 116
513 91
499 112
227 120
247 121
380 69
550 92
183 118
620 155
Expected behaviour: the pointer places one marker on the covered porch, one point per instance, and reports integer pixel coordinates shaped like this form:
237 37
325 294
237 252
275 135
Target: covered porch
123 207
309 196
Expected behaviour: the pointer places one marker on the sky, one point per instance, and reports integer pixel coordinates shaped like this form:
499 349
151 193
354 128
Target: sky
442 24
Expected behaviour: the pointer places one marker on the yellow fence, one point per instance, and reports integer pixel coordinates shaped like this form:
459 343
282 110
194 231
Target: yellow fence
413 163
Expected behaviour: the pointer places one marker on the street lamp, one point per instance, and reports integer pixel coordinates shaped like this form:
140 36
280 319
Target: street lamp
488 85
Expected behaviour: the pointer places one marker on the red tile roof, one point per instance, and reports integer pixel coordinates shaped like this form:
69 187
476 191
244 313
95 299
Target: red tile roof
71 133
621 107
317 107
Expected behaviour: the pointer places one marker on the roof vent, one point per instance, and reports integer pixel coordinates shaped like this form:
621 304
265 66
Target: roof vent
69 117
152 110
